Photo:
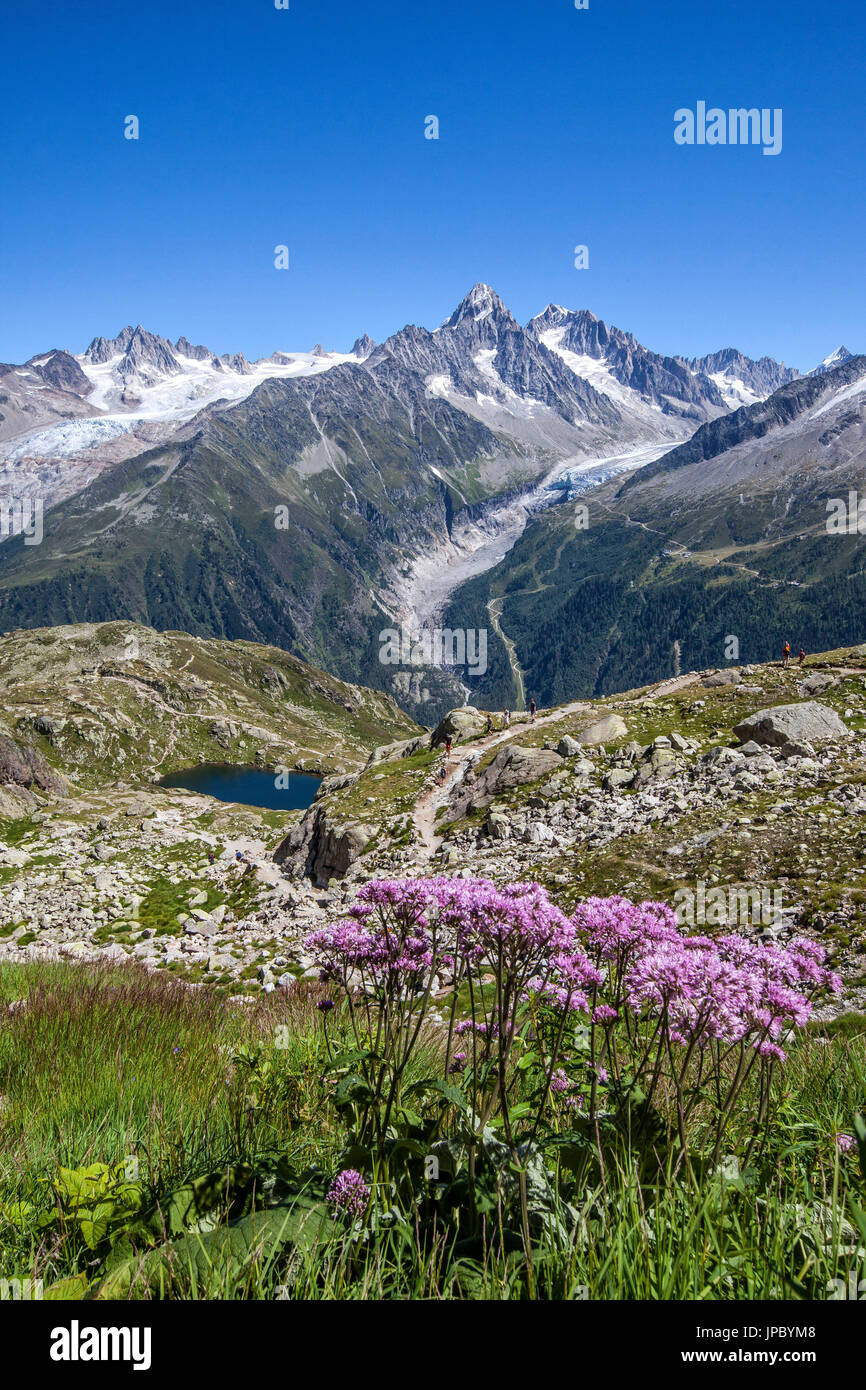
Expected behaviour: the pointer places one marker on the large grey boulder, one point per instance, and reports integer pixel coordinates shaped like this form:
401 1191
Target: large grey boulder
201 926
461 725
794 749
618 777
809 722
498 825
568 747
538 834
679 743
721 678
722 756
606 730
393 752
515 766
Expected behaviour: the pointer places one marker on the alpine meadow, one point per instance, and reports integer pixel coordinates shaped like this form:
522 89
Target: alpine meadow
432 676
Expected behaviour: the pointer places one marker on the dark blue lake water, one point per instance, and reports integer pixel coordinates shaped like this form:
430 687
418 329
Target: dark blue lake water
248 785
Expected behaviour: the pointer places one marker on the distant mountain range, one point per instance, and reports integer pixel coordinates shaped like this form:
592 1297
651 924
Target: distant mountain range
311 499
480 356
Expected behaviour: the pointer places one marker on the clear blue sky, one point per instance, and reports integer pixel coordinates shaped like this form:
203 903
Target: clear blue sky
306 127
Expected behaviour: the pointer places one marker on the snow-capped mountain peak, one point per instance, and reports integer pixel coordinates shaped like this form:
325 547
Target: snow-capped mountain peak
482 302
835 359
195 351
363 347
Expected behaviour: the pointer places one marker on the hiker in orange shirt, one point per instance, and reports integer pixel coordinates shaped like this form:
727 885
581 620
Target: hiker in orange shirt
786 654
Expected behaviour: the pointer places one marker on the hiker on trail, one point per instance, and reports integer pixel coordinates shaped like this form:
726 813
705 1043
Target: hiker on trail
211 857
489 722
449 744
506 715
442 773
532 708
802 657
786 654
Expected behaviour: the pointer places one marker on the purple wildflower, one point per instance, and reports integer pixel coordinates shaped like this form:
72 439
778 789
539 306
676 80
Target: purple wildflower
349 1192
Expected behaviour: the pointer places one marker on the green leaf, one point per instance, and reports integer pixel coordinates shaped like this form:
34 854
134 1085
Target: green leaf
95 1225
73 1288
261 1236
76 1185
19 1213
412 1147
409 1117
351 1057
452 1094
190 1204
353 1090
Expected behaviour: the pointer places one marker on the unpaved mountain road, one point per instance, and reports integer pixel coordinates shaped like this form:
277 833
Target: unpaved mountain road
458 764
468 754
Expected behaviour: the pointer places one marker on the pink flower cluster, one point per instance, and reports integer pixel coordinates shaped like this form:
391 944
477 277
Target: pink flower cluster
611 955
727 989
395 925
385 936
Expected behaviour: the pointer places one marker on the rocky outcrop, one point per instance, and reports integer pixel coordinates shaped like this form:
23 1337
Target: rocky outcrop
569 747
16 802
817 683
321 849
24 766
461 725
404 748
806 723
721 678
660 764
513 766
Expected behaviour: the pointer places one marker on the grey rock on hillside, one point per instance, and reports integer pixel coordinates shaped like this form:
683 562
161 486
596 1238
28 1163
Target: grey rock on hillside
513 766
461 725
809 722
